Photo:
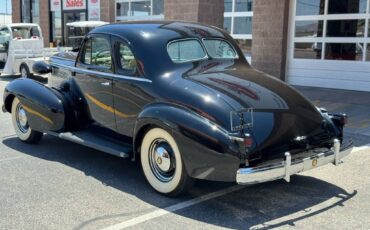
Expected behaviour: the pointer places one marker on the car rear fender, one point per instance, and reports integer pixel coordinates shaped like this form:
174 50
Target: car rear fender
207 150
43 105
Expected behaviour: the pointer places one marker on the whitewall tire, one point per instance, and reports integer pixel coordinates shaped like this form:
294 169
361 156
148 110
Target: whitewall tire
162 164
20 124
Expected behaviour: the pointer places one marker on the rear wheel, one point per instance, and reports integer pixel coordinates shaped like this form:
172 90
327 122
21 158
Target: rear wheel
162 163
25 71
20 124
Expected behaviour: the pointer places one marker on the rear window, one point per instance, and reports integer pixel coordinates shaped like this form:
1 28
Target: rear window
186 50
192 50
217 48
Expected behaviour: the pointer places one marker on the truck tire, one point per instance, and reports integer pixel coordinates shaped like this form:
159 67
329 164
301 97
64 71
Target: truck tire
25 71
162 164
20 124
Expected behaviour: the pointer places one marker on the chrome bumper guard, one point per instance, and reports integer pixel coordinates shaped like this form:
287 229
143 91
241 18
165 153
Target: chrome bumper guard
285 169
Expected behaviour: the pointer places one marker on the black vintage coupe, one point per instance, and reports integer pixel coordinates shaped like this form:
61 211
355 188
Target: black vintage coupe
180 97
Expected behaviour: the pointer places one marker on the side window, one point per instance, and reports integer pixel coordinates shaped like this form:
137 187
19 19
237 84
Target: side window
126 59
97 52
86 54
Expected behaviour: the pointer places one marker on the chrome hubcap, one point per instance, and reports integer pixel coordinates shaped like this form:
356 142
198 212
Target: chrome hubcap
162 160
21 118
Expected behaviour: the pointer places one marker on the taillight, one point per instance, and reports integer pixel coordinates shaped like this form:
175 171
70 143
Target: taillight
248 141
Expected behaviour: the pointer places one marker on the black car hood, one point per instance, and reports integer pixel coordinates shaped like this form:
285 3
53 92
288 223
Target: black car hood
281 115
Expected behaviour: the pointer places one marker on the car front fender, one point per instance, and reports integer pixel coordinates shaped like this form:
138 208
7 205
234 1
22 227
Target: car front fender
206 149
43 105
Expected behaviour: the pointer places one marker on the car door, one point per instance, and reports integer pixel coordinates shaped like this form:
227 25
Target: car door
130 87
94 71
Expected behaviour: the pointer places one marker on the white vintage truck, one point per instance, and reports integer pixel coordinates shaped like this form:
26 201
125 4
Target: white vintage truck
21 45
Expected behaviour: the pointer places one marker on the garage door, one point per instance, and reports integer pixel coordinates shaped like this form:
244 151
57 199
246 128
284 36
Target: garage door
329 44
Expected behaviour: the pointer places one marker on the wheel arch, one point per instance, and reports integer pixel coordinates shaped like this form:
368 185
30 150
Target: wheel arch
202 147
8 100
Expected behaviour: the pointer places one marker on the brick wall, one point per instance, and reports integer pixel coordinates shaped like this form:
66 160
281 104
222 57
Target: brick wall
107 10
44 21
270 32
204 11
16 11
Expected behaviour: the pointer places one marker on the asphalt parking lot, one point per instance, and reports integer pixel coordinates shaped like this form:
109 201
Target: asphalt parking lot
61 185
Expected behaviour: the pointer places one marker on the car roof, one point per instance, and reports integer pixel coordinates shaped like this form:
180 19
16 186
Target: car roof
160 29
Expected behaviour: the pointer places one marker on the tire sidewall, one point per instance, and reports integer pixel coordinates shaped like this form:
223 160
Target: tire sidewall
21 135
175 182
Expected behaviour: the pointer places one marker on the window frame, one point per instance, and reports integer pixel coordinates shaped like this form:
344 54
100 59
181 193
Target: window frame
190 60
100 68
220 58
118 67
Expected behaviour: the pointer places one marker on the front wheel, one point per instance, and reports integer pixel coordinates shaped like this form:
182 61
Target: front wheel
20 124
162 163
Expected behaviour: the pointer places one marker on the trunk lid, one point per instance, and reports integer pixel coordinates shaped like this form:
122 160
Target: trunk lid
283 119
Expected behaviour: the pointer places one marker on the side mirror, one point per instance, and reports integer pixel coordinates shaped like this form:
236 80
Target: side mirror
41 67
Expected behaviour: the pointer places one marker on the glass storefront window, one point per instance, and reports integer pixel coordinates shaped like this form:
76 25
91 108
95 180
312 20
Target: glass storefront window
243 5
140 8
158 6
307 50
312 28
345 28
310 7
347 6
228 5
122 9
368 52
36 11
344 51
242 25
227 24
26 11
57 27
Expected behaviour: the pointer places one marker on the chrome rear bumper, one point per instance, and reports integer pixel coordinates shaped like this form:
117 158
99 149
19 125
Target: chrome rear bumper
285 169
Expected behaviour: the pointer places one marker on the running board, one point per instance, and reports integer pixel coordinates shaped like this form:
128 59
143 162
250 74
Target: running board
96 142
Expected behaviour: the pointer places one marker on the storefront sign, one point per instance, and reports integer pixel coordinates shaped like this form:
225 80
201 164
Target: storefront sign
55 5
94 10
74 4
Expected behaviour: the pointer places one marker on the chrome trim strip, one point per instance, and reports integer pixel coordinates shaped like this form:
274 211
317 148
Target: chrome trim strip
284 169
116 76
288 162
336 151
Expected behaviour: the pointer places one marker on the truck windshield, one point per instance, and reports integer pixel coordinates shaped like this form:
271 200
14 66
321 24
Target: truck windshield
189 50
25 32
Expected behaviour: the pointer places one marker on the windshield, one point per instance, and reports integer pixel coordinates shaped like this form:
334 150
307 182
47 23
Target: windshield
190 50
25 32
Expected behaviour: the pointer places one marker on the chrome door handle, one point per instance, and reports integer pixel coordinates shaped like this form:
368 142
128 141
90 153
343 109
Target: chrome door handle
107 83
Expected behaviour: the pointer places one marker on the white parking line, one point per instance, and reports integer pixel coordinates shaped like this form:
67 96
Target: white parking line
186 204
173 208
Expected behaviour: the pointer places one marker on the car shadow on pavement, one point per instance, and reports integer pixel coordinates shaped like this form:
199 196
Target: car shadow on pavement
242 209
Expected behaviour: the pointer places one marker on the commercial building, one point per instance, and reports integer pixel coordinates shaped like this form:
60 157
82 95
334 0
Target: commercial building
324 43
